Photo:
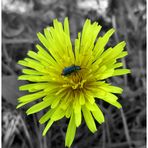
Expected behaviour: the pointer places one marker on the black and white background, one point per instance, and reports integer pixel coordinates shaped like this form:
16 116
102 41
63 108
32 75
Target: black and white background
22 19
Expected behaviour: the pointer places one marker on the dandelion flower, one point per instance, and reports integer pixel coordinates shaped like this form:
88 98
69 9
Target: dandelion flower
67 80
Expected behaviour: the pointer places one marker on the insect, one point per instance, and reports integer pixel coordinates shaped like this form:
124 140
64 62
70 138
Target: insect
68 70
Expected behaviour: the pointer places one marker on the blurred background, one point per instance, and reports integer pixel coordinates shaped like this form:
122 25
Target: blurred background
22 19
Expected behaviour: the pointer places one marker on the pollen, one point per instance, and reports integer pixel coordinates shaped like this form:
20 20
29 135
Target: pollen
75 81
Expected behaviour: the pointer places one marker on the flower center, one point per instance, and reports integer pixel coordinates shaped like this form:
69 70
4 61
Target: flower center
78 85
74 81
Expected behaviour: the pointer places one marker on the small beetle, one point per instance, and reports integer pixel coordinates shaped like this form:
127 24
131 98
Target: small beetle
68 70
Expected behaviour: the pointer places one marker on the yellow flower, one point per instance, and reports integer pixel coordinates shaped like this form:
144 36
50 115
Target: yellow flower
67 80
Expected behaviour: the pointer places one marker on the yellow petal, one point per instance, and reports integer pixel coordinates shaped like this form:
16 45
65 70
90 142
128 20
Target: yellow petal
58 114
113 89
78 119
98 115
101 42
46 56
123 54
31 97
46 116
117 65
89 119
81 99
33 78
37 107
69 111
43 40
21 104
119 72
31 72
66 26
34 87
55 102
47 127
112 101
70 133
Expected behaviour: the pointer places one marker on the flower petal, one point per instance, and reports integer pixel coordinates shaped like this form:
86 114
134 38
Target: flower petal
71 130
32 97
66 26
38 107
89 119
33 78
34 87
113 53
69 111
101 42
98 115
46 116
81 99
58 114
31 72
78 118
50 122
112 89
55 102
119 72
